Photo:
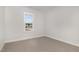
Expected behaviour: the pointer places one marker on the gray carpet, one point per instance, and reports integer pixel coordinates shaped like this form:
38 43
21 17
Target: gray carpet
41 44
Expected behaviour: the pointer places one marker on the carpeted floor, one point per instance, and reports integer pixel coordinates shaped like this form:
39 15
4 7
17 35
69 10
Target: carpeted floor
41 44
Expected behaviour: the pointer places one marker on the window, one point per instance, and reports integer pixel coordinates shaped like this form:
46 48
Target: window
27 22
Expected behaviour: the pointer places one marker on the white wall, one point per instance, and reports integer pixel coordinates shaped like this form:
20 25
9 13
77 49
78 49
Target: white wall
62 23
2 29
38 23
14 18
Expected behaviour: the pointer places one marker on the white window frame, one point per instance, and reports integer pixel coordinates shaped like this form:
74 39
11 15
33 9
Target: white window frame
28 13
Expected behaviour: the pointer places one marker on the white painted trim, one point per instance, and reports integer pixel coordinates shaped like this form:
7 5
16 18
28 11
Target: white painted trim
2 47
23 38
68 42
41 35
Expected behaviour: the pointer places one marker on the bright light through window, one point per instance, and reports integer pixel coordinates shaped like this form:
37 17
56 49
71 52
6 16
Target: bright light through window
28 22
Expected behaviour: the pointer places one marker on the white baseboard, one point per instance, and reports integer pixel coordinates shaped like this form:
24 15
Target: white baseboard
41 35
23 38
1 47
68 42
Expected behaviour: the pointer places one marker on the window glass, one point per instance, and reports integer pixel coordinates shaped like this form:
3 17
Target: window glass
28 22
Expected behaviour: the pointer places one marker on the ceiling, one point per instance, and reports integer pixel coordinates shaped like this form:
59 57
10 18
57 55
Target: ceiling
42 8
